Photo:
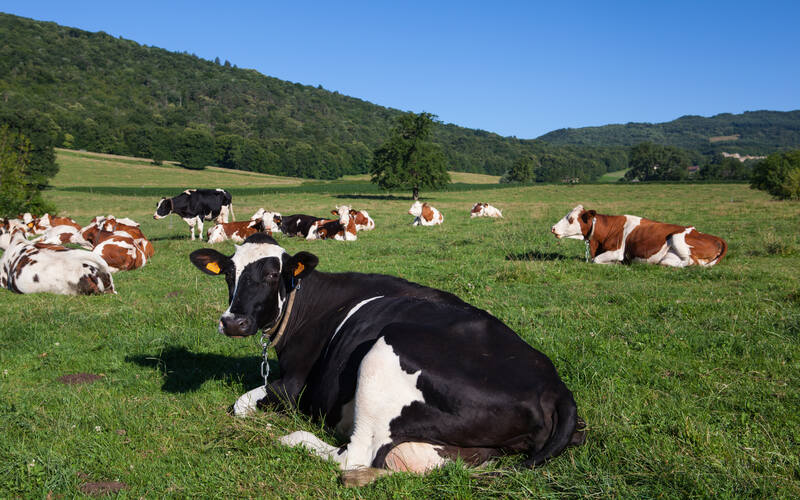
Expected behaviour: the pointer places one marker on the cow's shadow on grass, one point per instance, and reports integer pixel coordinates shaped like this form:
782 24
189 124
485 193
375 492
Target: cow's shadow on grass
373 197
185 371
538 255
171 237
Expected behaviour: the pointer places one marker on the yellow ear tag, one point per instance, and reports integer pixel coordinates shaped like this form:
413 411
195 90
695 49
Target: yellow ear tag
213 267
299 268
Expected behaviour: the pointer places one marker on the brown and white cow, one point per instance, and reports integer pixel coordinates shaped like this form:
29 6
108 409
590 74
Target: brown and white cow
342 229
34 267
236 231
62 234
46 221
121 251
425 214
617 238
361 219
127 227
485 210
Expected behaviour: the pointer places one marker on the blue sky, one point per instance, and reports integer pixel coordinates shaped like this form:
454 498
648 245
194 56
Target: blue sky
515 68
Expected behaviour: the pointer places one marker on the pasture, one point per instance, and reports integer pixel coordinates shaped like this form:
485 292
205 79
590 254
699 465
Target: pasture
688 379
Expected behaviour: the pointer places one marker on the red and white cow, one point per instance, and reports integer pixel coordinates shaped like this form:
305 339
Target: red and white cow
361 218
270 220
121 251
236 231
47 221
425 214
127 227
62 234
485 210
617 238
343 229
34 267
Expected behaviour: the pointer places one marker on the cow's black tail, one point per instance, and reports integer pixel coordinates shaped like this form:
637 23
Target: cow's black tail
564 435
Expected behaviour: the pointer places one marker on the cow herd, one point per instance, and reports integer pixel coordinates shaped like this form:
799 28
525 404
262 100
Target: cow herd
44 264
365 353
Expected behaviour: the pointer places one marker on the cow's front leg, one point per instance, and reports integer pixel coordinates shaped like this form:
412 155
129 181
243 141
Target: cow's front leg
248 402
279 394
200 222
191 223
609 257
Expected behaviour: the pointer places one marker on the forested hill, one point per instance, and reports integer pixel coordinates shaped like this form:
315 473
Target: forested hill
752 133
100 93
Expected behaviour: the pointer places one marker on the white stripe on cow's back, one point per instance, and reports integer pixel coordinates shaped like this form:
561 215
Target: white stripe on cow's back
350 313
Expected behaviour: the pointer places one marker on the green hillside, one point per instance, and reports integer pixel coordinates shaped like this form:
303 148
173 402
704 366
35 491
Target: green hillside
749 133
96 92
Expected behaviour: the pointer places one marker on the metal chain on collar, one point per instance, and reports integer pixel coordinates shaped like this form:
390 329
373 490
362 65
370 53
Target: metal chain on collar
588 237
264 361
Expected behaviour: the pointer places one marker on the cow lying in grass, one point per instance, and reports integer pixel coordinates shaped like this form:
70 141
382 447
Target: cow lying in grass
485 210
341 229
425 215
29 267
413 376
235 231
618 238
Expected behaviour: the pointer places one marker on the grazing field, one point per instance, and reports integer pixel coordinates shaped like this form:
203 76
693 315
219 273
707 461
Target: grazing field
688 379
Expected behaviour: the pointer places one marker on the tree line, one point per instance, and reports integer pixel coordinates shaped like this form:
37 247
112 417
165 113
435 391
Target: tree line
111 95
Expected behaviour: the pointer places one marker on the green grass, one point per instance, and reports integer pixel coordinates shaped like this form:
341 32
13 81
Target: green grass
689 379
612 176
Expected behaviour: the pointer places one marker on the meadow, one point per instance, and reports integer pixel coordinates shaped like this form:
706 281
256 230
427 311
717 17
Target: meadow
688 379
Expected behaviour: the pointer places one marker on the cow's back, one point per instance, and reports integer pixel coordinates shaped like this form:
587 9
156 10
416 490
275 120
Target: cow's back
648 238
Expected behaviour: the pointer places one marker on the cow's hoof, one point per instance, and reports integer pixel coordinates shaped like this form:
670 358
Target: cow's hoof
362 477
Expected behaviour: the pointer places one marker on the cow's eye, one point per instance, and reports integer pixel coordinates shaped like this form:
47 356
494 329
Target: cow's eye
571 220
272 276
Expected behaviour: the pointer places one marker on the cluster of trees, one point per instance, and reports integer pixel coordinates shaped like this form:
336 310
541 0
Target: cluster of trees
753 132
779 175
21 181
112 95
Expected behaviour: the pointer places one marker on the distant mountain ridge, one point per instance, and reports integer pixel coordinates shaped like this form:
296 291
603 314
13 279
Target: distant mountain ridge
749 133
105 94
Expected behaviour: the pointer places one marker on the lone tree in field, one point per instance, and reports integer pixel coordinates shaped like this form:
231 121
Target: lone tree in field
407 159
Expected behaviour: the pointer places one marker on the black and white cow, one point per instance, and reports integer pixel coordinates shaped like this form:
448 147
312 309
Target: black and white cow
298 224
413 376
196 205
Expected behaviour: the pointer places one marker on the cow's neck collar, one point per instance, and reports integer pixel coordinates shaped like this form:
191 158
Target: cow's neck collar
591 230
280 327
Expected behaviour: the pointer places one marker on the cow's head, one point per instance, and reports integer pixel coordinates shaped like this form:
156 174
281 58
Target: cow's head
260 275
271 221
477 209
163 208
576 224
416 209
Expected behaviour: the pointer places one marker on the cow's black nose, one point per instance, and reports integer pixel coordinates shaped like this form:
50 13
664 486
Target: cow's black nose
236 326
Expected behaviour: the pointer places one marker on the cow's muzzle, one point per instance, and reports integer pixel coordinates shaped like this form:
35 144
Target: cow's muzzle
236 326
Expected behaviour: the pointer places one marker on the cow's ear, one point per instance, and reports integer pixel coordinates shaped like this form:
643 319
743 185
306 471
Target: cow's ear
335 212
302 263
210 261
587 215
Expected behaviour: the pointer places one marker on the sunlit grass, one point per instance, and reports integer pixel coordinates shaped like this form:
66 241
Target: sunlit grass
689 379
